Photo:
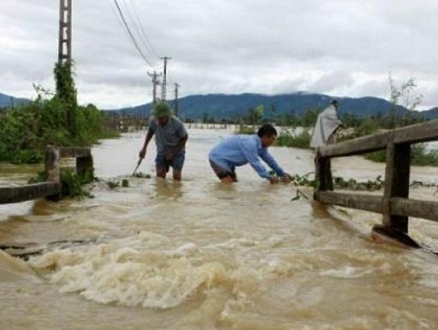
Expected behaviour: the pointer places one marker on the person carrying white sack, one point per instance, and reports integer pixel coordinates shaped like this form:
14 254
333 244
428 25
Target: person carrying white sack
326 126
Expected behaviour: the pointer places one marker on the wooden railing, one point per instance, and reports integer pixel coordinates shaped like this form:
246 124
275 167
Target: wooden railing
394 205
51 187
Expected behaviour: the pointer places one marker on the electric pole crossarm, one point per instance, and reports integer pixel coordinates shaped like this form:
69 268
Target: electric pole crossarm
155 82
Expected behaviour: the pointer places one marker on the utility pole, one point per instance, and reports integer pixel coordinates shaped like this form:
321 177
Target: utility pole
66 90
155 82
163 85
176 99
64 46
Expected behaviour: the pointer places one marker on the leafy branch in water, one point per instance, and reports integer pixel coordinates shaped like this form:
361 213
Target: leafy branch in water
142 175
343 184
73 184
339 182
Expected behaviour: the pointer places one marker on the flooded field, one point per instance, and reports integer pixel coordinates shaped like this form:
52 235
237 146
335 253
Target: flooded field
198 254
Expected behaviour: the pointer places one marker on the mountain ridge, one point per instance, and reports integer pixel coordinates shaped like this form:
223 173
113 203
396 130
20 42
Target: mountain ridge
11 101
231 106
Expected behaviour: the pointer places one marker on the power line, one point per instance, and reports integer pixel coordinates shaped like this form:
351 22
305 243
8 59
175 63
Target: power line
142 32
133 24
131 35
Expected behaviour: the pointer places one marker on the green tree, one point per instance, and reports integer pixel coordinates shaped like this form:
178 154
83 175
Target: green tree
402 96
309 117
66 92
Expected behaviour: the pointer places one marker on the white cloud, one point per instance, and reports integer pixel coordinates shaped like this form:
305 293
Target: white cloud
337 47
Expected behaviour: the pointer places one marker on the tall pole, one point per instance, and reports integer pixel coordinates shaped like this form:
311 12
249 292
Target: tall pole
65 63
64 45
163 85
155 82
176 99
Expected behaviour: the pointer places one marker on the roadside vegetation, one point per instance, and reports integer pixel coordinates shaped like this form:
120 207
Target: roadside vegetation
52 118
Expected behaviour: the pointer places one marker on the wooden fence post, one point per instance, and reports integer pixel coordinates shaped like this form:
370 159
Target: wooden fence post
323 173
397 174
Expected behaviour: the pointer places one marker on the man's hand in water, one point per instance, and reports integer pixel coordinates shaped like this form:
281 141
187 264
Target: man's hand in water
273 179
285 178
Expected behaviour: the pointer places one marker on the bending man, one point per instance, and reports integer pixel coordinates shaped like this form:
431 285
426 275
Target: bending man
238 150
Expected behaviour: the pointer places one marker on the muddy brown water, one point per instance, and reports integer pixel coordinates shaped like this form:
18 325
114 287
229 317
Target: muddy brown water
201 255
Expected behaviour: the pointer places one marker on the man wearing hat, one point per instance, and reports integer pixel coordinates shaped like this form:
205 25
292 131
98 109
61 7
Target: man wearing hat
170 138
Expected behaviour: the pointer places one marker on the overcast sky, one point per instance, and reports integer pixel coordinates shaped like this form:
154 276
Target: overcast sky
343 48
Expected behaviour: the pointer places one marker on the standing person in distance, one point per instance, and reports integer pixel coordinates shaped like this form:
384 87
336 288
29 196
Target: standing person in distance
170 138
325 130
326 126
238 150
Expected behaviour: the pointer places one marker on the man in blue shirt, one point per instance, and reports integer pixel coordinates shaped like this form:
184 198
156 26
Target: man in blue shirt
238 150
170 138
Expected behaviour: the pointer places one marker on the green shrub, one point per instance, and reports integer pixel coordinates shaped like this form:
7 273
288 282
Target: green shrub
288 139
420 156
72 182
244 129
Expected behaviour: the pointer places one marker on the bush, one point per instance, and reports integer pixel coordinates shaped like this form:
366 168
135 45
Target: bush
27 130
288 139
420 156
244 129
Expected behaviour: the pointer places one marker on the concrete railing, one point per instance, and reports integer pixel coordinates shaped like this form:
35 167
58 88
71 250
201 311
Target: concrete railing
51 187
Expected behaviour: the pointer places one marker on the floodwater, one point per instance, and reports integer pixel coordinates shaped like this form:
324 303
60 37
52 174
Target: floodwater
198 254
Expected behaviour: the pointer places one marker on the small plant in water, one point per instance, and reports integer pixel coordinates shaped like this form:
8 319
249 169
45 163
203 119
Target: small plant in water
72 183
113 184
142 175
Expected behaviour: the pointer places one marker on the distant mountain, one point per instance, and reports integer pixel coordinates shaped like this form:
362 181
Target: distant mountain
431 113
7 101
230 106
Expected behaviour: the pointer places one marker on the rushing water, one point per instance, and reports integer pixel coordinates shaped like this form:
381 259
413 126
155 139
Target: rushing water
202 255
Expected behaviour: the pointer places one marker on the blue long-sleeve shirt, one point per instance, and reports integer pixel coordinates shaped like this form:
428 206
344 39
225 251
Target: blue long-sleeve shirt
239 150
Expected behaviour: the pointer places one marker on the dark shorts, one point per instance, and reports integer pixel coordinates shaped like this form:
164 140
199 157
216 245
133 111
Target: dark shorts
176 162
222 173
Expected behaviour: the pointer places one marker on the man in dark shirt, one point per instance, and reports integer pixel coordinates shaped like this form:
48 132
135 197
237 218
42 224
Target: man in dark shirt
170 138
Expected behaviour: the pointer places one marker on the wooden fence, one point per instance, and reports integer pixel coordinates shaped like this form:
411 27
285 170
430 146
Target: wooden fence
394 205
51 187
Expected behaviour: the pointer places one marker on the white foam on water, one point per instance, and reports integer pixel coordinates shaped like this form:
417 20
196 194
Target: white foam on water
126 276
346 272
